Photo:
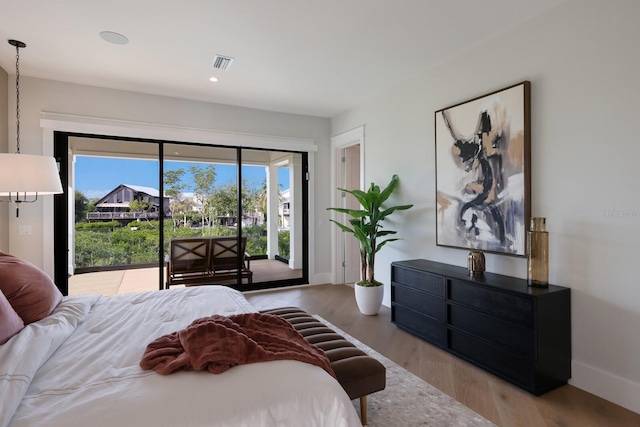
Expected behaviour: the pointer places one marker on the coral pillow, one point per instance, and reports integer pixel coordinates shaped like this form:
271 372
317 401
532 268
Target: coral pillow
31 293
10 322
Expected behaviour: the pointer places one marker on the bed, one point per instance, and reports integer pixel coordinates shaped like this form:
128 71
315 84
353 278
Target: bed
79 366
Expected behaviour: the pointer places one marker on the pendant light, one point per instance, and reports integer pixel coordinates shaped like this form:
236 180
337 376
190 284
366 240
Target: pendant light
23 177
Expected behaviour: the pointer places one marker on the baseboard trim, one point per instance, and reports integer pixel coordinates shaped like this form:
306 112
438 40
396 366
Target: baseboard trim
606 385
320 278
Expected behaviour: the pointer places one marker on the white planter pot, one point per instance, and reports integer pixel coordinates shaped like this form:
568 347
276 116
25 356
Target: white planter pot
369 299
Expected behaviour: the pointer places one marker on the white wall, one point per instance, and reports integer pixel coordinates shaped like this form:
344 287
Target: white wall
37 95
584 64
4 133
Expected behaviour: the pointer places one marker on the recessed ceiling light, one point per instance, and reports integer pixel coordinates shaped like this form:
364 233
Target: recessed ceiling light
213 79
115 38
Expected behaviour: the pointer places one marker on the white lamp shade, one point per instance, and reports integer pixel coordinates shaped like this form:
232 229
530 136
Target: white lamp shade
28 174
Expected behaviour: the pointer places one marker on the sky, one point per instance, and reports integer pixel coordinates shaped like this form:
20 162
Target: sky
97 176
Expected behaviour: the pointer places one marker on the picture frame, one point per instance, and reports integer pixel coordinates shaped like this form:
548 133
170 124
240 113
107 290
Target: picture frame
483 162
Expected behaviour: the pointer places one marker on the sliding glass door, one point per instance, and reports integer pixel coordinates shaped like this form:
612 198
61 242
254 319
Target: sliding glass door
273 218
132 197
115 215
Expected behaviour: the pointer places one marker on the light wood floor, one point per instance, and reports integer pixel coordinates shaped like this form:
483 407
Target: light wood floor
496 400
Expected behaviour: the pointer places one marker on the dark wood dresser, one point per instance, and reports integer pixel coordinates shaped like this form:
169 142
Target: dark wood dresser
499 323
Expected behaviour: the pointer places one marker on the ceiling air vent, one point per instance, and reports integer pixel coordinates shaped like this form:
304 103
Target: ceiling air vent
221 62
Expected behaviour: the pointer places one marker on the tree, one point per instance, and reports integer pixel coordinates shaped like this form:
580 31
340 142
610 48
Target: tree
91 206
203 189
173 189
81 205
261 198
140 206
225 201
251 196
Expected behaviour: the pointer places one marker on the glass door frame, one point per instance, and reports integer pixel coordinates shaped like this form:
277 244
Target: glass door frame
61 206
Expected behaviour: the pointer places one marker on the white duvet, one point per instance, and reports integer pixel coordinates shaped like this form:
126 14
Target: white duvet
80 367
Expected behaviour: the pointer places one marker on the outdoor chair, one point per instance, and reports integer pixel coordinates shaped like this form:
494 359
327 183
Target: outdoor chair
188 261
223 260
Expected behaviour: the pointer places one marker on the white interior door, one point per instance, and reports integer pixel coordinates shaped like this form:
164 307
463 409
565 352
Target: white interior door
347 160
351 245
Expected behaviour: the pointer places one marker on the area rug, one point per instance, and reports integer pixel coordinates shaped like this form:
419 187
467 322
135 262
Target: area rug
409 401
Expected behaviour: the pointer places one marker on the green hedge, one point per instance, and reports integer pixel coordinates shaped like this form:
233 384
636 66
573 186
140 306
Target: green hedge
107 226
100 244
283 243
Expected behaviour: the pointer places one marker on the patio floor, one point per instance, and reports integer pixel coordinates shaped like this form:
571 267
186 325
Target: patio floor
118 282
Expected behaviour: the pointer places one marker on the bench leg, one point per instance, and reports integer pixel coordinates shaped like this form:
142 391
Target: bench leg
363 410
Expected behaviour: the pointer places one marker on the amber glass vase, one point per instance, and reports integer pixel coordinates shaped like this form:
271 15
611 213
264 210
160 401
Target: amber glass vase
475 263
538 253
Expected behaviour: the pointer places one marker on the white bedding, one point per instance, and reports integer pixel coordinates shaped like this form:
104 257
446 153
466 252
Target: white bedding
80 367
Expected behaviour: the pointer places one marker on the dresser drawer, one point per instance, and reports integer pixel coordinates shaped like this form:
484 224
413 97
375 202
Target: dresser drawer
426 282
514 308
502 363
424 327
510 335
418 301
497 322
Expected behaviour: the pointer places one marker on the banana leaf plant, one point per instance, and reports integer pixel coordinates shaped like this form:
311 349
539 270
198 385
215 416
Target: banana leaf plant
366 225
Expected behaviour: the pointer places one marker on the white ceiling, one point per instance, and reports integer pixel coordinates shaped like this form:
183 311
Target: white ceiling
317 58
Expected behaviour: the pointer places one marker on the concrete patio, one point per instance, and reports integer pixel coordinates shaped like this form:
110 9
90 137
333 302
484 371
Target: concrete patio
116 282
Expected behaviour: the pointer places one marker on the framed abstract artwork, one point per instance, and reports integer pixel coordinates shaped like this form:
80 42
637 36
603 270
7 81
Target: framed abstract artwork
483 184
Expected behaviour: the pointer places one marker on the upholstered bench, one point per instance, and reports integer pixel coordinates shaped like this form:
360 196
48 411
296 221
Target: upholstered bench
358 373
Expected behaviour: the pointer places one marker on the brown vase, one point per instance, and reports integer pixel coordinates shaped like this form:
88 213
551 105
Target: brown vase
475 263
538 253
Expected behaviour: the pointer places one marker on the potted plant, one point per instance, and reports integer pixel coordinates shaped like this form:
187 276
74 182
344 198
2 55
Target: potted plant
366 226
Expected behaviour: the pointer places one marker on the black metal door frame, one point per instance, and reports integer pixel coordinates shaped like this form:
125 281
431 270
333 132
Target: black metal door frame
61 211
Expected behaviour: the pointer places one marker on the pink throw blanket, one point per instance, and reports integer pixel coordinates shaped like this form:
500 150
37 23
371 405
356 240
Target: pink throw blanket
218 343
